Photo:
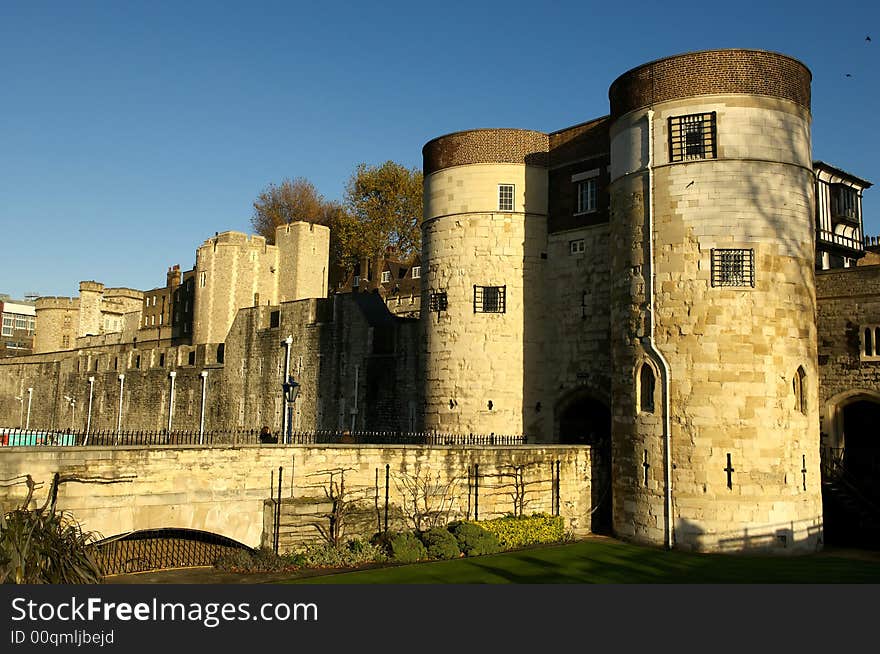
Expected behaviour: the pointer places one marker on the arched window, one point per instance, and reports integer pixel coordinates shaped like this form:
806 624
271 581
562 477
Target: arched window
646 389
798 386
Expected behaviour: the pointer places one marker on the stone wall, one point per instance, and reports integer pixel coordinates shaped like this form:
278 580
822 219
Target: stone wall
357 366
233 271
223 490
733 352
849 300
484 371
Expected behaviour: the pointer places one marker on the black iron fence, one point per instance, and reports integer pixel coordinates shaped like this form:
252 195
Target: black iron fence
158 549
237 436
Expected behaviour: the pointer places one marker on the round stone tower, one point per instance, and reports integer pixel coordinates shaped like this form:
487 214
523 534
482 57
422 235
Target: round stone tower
483 248
713 323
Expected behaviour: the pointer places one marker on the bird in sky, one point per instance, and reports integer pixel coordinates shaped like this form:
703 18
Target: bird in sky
868 38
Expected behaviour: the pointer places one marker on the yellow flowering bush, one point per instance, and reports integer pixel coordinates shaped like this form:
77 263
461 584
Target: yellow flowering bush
513 532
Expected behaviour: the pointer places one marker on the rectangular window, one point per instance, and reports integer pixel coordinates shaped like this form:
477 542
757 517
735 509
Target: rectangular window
437 301
416 272
587 195
692 137
274 319
489 299
65 341
844 202
733 267
576 247
356 282
386 276
505 197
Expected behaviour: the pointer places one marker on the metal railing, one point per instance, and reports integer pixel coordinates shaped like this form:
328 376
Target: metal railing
237 436
158 549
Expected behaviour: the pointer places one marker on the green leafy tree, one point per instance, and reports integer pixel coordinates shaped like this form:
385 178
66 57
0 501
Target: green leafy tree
385 211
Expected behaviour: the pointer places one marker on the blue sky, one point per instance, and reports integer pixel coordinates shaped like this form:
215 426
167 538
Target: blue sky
131 132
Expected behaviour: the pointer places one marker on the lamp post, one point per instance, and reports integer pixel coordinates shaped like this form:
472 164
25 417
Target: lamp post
287 342
20 410
30 397
89 418
202 412
72 402
291 390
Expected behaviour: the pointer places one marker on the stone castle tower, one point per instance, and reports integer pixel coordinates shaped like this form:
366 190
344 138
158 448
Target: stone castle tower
713 321
706 253
482 278
234 271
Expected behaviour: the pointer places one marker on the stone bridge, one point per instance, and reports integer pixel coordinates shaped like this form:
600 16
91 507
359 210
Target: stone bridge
223 489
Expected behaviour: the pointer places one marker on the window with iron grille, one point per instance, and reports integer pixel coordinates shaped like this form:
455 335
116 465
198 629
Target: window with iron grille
692 137
437 301
733 267
489 299
505 197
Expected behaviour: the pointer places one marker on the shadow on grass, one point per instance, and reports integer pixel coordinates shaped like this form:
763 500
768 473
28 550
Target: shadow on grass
604 561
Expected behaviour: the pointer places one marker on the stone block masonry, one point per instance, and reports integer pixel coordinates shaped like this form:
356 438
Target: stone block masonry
223 489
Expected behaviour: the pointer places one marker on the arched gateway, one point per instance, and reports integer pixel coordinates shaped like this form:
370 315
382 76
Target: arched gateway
581 419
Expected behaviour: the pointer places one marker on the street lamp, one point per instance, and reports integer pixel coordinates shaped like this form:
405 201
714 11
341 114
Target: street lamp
72 402
20 410
291 391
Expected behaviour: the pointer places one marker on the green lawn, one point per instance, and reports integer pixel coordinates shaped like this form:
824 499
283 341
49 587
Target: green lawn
602 561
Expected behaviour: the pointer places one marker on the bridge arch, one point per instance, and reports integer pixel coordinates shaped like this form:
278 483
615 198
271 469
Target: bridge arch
160 549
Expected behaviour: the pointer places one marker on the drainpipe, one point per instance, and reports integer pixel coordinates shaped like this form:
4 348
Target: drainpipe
119 412
171 374
89 417
354 409
202 412
287 342
650 344
30 397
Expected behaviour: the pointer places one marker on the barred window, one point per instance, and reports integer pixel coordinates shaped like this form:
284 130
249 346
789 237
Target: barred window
733 267
505 197
490 299
437 301
692 137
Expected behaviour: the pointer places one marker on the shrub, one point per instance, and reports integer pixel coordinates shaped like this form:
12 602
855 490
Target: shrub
513 532
407 548
261 560
473 540
440 543
353 553
38 547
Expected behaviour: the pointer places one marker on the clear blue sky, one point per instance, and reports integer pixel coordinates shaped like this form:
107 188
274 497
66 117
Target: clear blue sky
131 132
